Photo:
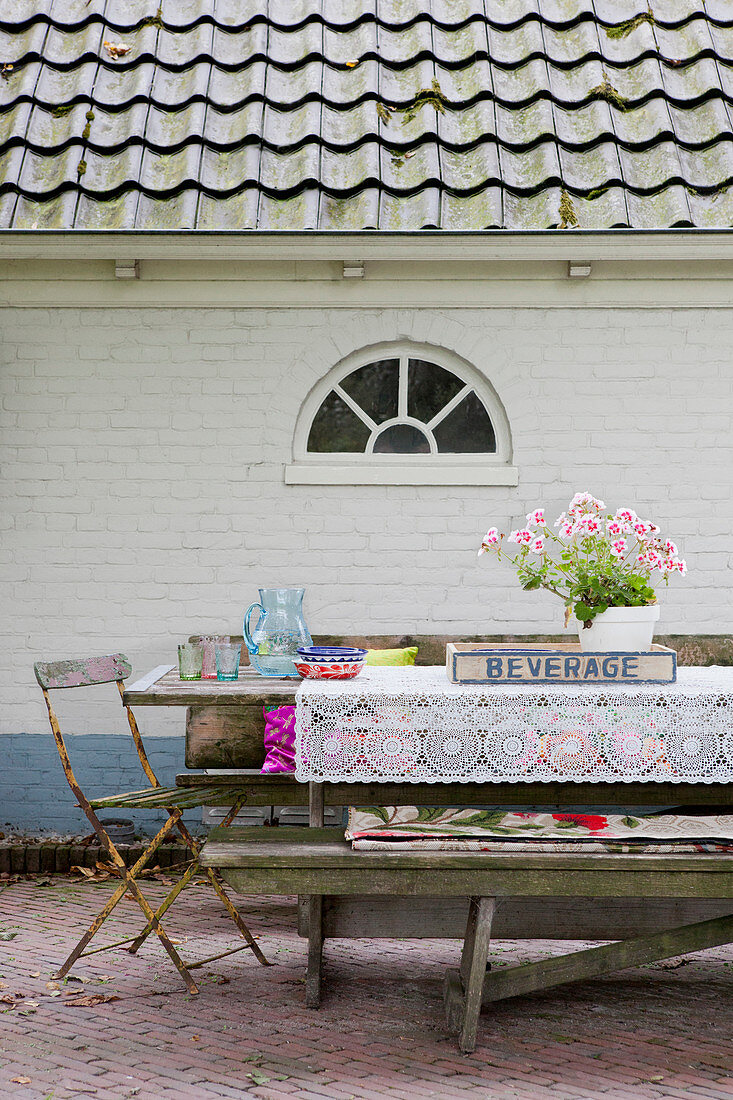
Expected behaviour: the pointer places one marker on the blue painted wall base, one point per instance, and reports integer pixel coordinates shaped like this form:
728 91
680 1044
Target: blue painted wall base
35 797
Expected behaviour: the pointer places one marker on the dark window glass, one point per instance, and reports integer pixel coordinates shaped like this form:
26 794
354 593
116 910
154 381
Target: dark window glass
402 439
375 388
337 428
467 430
429 389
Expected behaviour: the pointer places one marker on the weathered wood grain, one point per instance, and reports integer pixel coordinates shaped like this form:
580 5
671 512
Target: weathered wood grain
552 918
472 970
225 737
285 790
581 965
300 865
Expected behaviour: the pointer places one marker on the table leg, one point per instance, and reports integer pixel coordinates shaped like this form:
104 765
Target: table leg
315 909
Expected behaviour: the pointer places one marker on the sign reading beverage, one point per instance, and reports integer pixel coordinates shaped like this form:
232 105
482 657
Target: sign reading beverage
561 663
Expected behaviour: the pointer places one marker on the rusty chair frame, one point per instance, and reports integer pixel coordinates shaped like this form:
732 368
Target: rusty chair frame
115 668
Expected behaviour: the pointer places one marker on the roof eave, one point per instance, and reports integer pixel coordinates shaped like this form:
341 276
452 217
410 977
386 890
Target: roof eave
426 244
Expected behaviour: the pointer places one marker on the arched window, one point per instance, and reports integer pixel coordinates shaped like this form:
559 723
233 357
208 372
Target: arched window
402 414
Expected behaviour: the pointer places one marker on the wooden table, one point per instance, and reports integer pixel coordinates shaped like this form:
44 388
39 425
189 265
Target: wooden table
604 896
225 727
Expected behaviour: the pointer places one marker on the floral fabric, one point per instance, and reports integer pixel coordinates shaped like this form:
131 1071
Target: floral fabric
441 829
279 739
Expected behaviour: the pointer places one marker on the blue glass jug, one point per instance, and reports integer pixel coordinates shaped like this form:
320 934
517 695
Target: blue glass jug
280 628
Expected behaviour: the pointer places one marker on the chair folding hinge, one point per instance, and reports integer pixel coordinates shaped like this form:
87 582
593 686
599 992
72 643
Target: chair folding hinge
127 269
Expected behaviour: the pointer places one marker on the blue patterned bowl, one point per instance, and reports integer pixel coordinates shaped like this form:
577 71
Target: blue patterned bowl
327 653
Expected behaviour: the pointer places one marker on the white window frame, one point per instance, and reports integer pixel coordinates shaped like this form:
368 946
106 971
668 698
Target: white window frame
368 468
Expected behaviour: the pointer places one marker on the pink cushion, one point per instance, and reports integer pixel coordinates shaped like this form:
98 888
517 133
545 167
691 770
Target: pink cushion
279 739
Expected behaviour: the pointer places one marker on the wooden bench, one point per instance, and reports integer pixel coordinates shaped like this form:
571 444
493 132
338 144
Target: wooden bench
311 861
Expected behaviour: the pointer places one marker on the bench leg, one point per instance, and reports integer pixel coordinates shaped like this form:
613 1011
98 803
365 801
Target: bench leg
463 989
315 951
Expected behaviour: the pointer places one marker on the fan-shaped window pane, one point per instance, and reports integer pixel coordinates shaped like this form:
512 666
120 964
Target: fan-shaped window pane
375 388
466 430
402 439
429 389
336 428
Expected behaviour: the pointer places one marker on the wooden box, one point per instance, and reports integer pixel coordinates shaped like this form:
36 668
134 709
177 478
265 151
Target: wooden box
555 663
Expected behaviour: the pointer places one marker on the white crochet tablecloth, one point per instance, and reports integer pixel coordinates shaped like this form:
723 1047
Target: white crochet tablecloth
411 724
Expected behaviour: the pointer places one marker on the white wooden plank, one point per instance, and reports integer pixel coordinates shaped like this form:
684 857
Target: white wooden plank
151 678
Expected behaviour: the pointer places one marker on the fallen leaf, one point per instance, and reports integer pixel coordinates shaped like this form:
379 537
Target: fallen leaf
195 1038
73 978
352 64
258 1078
658 1077
43 882
55 993
33 974
92 1000
672 964
30 1004
8 935
7 998
4 985
407 156
116 49
49 985
20 1080
6 71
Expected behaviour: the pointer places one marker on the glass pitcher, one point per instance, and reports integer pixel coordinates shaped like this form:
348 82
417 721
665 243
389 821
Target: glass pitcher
278 631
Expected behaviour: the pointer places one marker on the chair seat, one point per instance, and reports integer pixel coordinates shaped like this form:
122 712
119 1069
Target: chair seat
187 798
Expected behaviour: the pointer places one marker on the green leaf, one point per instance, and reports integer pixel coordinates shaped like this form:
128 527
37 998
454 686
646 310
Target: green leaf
583 612
630 822
378 811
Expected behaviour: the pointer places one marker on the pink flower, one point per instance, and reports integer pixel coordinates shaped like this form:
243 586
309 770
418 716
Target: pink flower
537 545
642 529
536 518
680 565
627 514
490 539
615 528
618 548
567 529
588 524
584 502
670 548
522 536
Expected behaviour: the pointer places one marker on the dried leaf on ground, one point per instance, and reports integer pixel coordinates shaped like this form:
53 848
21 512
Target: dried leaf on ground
51 984
21 1080
352 64
672 964
92 1000
8 935
9 998
116 49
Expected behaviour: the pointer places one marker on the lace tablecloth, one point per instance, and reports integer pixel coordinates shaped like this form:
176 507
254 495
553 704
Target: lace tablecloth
411 724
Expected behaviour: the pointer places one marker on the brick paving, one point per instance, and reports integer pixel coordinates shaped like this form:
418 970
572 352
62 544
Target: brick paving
646 1034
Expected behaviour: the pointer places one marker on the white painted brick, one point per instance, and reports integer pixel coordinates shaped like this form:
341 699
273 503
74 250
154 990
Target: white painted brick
145 450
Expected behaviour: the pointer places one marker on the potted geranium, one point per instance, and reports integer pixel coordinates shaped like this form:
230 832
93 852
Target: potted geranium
601 565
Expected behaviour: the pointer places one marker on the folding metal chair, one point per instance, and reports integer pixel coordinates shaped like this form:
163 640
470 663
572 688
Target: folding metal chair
114 669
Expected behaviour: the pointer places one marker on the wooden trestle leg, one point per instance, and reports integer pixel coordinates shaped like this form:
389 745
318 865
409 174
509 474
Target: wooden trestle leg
463 989
315 910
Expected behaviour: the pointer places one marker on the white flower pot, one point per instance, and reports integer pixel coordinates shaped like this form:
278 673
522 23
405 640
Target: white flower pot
620 629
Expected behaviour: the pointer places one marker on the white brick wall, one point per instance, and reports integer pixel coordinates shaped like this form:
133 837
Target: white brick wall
143 469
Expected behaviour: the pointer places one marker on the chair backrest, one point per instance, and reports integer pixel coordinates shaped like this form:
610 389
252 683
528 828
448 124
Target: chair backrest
82 673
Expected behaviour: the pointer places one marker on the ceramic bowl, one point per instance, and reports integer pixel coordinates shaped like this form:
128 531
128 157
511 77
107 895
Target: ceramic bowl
342 670
331 653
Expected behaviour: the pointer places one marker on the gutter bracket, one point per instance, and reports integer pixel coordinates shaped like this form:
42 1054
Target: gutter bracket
579 269
127 269
353 269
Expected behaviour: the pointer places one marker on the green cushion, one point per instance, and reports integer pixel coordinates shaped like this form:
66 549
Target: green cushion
392 656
